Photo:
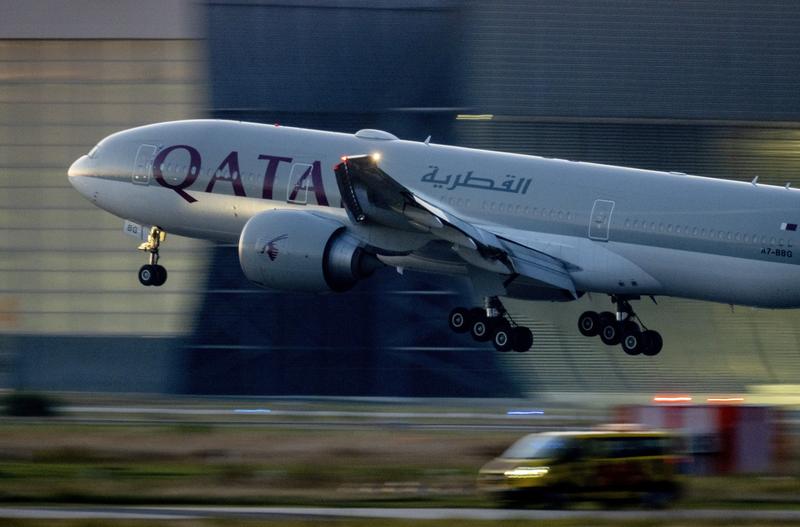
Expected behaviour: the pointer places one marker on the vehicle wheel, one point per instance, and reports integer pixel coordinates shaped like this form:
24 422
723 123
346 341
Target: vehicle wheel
632 342
160 275
522 339
147 274
589 324
459 320
502 336
480 328
610 332
651 343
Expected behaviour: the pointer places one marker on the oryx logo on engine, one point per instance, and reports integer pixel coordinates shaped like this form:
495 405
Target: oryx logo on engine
271 248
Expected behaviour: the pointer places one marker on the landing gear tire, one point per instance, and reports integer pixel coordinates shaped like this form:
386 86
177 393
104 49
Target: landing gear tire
589 324
147 274
480 329
632 342
459 320
651 343
161 275
522 339
150 274
610 331
502 336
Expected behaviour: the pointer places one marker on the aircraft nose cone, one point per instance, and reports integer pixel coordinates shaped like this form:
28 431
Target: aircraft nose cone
78 168
78 175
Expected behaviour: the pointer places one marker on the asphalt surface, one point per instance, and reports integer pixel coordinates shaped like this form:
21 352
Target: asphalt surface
320 513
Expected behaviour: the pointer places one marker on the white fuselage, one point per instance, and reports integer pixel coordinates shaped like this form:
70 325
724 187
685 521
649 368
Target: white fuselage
621 231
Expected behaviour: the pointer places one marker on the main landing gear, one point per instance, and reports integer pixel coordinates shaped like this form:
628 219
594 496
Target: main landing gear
491 323
621 329
152 273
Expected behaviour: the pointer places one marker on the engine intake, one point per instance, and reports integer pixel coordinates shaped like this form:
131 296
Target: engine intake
293 250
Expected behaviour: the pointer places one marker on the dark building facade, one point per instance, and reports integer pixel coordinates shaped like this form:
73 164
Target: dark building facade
338 66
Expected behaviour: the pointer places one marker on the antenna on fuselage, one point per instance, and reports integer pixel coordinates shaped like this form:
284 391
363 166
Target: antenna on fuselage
788 184
428 141
755 181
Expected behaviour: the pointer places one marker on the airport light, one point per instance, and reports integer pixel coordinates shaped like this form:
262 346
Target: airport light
671 399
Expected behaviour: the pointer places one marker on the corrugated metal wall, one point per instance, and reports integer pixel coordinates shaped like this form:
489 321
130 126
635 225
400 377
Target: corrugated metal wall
67 272
707 88
688 59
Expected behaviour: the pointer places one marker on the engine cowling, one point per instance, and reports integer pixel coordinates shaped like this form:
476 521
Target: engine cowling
295 250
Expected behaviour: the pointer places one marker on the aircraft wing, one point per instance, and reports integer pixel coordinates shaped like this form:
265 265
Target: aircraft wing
370 195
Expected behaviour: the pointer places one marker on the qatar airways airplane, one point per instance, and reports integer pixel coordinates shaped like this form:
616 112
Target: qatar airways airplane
319 211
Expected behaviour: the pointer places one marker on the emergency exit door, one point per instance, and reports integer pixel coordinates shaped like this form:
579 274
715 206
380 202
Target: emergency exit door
600 221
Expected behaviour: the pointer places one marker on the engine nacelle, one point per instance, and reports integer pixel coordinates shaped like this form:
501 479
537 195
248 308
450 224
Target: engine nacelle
295 250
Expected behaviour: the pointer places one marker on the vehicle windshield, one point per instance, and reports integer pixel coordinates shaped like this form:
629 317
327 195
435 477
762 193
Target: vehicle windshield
535 446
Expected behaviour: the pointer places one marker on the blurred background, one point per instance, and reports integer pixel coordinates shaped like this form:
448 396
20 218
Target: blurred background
707 88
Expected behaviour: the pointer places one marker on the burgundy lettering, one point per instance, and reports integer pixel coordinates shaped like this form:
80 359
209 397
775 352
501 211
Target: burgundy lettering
271 172
191 175
232 176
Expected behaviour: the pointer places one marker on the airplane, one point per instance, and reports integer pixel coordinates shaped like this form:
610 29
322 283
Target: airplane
320 211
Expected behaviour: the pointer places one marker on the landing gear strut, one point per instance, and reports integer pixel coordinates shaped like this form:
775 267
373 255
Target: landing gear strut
492 322
620 328
152 273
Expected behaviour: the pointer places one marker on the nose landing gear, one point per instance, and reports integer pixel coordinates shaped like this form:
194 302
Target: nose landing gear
152 273
491 323
621 329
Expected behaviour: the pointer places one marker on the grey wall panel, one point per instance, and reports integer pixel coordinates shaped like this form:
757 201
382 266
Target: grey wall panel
726 60
333 56
94 364
100 19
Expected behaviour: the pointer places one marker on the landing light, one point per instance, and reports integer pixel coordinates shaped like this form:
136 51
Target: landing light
672 399
376 157
525 412
725 400
527 472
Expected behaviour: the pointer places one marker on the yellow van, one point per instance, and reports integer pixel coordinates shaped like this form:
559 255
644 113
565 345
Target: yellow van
556 467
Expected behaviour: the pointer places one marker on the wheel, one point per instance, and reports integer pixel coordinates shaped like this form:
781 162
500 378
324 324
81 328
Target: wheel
147 274
522 339
480 328
459 320
502 336
651 343
589 324
610 332
632 341
160 275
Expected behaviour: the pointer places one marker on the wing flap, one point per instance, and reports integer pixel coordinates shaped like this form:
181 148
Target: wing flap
370 194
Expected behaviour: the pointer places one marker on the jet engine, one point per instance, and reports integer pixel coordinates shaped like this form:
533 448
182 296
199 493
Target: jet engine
294 250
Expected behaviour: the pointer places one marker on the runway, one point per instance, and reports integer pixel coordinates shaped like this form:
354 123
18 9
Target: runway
321 513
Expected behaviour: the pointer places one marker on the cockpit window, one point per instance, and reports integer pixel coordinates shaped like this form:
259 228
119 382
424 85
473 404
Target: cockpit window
93 152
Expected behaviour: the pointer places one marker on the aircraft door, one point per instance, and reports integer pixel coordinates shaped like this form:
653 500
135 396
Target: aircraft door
143 164
299 182
601 220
